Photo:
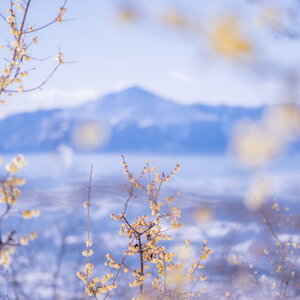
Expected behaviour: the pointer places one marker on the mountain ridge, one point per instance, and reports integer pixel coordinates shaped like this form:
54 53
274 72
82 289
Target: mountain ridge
133 120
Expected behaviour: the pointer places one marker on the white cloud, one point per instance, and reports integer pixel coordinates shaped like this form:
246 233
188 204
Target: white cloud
48 99
123 84
181 76
75 95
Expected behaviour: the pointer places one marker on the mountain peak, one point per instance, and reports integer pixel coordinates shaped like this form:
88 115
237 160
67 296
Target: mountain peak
135 119
136 91
134 88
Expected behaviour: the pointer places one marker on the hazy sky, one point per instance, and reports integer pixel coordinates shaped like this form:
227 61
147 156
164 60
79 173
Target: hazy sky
110 55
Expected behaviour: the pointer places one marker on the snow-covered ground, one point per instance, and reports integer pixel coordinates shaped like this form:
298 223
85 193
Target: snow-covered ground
212 187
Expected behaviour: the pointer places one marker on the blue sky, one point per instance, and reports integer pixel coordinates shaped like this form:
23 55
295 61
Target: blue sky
110 55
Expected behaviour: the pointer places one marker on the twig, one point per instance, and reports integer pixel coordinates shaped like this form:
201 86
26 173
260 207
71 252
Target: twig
6 297
88 228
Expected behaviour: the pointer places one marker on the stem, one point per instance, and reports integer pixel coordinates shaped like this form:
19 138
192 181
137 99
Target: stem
141 262
88 228
165 276
6 285
117 274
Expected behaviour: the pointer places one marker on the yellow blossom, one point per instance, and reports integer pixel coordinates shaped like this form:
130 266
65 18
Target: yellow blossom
227 38
32 235
88 252
24 240
89 243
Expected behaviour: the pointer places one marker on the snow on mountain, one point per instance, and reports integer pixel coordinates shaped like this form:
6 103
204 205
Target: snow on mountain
133 120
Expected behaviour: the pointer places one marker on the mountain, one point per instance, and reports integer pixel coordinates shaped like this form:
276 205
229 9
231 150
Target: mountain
130 120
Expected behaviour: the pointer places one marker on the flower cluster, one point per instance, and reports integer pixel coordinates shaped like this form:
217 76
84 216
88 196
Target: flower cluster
153 268
16 49
9 193
93 285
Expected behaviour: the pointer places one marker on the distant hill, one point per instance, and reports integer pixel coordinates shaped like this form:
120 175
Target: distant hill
131 120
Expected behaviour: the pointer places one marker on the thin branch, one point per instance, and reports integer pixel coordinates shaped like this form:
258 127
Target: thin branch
127 200
89 204
88 226
271 228
48 24
117 274
6 278
141 262
133 229
40 85
2 17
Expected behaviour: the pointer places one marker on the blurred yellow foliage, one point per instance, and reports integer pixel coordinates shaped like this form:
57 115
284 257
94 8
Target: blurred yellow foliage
227 38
